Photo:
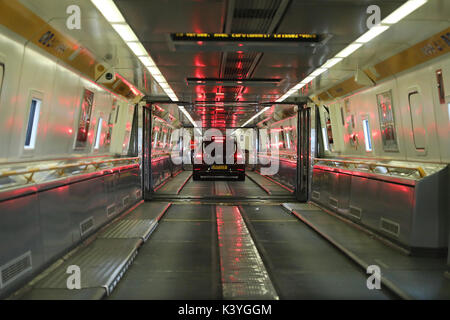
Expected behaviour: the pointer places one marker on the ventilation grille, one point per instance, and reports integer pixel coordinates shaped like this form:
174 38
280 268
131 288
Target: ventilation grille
86 226
254 16
390 227
333 202
126 201
234 68
315 195
15 268
355 212
110 210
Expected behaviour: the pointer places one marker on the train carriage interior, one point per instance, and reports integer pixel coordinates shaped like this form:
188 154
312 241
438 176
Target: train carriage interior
224 150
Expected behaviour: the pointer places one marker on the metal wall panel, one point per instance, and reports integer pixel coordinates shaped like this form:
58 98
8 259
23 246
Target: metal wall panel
47 223
431 211
20 232
56 223
319 192
396 203
88 199
128 184
362 191
342 192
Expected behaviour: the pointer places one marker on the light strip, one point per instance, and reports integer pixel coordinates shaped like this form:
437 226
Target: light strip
125 32
256 116
146 61
372 33
331 62
113 15
308 79
349 50
403 11
137 48
318 71
109 10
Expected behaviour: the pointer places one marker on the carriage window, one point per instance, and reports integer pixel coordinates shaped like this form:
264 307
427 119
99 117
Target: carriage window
448 109
288 140
416 113
441 91
387 123
367 135
327 132
85 119
33 120
110 123
117 112
2 67
99 134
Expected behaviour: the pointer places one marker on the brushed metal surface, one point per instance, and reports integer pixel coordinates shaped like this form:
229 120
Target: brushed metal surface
98 263
20 232
131 228
244 275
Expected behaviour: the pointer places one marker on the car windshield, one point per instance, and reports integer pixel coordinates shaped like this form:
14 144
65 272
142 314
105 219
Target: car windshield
218 149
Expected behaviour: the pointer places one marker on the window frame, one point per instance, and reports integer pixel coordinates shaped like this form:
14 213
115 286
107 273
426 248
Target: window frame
87 144
387 147
411 92
98 133
33 96
368 141
2 76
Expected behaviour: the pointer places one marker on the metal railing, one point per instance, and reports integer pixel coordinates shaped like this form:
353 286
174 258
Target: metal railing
372 165
29 173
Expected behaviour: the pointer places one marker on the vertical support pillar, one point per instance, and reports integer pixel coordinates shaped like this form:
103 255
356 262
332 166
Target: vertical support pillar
147 152
303 153
255 166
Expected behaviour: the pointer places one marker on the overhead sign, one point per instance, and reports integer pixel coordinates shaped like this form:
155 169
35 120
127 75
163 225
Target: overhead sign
247 37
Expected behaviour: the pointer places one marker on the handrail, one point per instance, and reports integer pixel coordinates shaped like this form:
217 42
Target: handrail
60 169
372 165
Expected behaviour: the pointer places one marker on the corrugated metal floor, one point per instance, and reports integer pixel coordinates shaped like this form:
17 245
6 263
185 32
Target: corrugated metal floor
183 259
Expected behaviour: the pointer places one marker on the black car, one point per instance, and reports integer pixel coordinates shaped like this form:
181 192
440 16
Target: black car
227 165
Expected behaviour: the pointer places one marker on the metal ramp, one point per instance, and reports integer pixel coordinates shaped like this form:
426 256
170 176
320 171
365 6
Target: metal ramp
102 263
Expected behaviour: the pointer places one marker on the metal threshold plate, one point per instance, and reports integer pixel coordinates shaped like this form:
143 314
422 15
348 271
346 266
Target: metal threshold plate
132 228
244 275
100 264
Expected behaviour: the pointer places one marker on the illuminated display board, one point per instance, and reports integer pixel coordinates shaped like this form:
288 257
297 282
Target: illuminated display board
246 37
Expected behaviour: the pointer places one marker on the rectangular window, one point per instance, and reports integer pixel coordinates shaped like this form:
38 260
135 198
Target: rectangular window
325 139
33 121
448 107
117 112
416 114
112 114
367 135
99 134
288 140
387 123
440 86
2 72
85 119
